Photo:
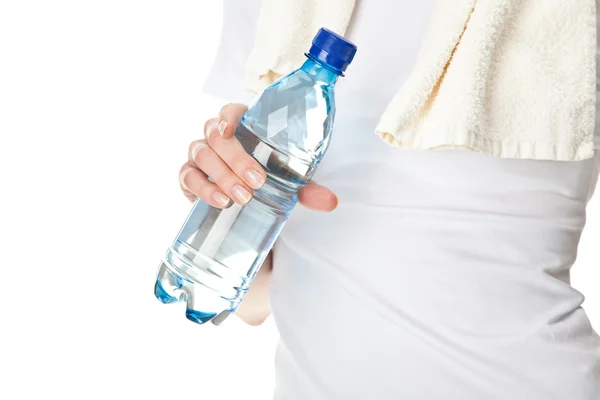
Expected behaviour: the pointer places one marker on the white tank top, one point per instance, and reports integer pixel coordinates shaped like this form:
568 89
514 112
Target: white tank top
443 274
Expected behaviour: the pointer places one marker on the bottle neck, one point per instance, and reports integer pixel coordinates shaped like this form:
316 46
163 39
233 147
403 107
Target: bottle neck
319 71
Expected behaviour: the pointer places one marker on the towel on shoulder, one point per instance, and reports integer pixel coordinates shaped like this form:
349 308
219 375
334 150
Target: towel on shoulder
508 78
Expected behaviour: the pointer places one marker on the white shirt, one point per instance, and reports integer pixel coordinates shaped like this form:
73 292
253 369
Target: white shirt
442 274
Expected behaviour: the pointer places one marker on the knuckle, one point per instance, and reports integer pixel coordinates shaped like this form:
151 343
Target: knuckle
238 110
241 108
240 163
225 178
224 109
205 192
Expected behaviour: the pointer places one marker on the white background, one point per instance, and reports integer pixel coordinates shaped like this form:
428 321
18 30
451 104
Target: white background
98 102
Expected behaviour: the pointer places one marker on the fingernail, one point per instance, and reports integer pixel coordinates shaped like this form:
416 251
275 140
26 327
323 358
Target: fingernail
241 194
220 199
254 178
209 132
196 149
222 126
182 177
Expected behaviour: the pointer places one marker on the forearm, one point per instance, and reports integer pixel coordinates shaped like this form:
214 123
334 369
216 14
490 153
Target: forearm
254 309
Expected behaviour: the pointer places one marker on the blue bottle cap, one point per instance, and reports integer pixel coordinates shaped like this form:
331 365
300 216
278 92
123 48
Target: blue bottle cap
332 49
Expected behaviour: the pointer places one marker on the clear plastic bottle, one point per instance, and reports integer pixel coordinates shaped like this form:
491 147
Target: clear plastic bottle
217 253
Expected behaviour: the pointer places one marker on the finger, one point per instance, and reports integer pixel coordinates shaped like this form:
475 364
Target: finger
318 198
190 196
209 162
195 184
210 126
229 118
192 150
236 158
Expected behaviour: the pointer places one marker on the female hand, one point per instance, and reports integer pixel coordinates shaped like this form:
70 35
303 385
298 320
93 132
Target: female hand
222 158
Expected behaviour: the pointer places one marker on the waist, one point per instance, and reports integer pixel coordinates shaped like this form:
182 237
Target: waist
450 218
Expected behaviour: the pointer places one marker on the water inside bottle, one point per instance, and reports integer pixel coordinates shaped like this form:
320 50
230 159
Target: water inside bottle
217 253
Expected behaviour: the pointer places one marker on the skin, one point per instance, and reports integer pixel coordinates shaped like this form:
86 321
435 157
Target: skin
235 173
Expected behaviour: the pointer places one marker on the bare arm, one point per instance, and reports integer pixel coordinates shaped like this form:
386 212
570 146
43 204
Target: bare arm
254 309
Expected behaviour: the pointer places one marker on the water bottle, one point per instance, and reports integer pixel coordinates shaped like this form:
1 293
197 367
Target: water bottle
217 252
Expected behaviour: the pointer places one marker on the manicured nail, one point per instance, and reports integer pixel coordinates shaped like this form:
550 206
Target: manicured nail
182 177
254 178
220 199
222 126
241 194
210 131
196 149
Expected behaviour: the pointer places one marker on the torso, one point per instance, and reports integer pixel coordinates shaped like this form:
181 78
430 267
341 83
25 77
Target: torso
442 274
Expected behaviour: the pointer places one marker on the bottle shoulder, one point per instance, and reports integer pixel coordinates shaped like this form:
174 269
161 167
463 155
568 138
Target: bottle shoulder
294 114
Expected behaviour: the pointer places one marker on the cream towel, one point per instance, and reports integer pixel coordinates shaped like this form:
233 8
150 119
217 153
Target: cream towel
284 33
508 78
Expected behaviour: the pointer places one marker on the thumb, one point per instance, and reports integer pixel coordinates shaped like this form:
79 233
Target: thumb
317 197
